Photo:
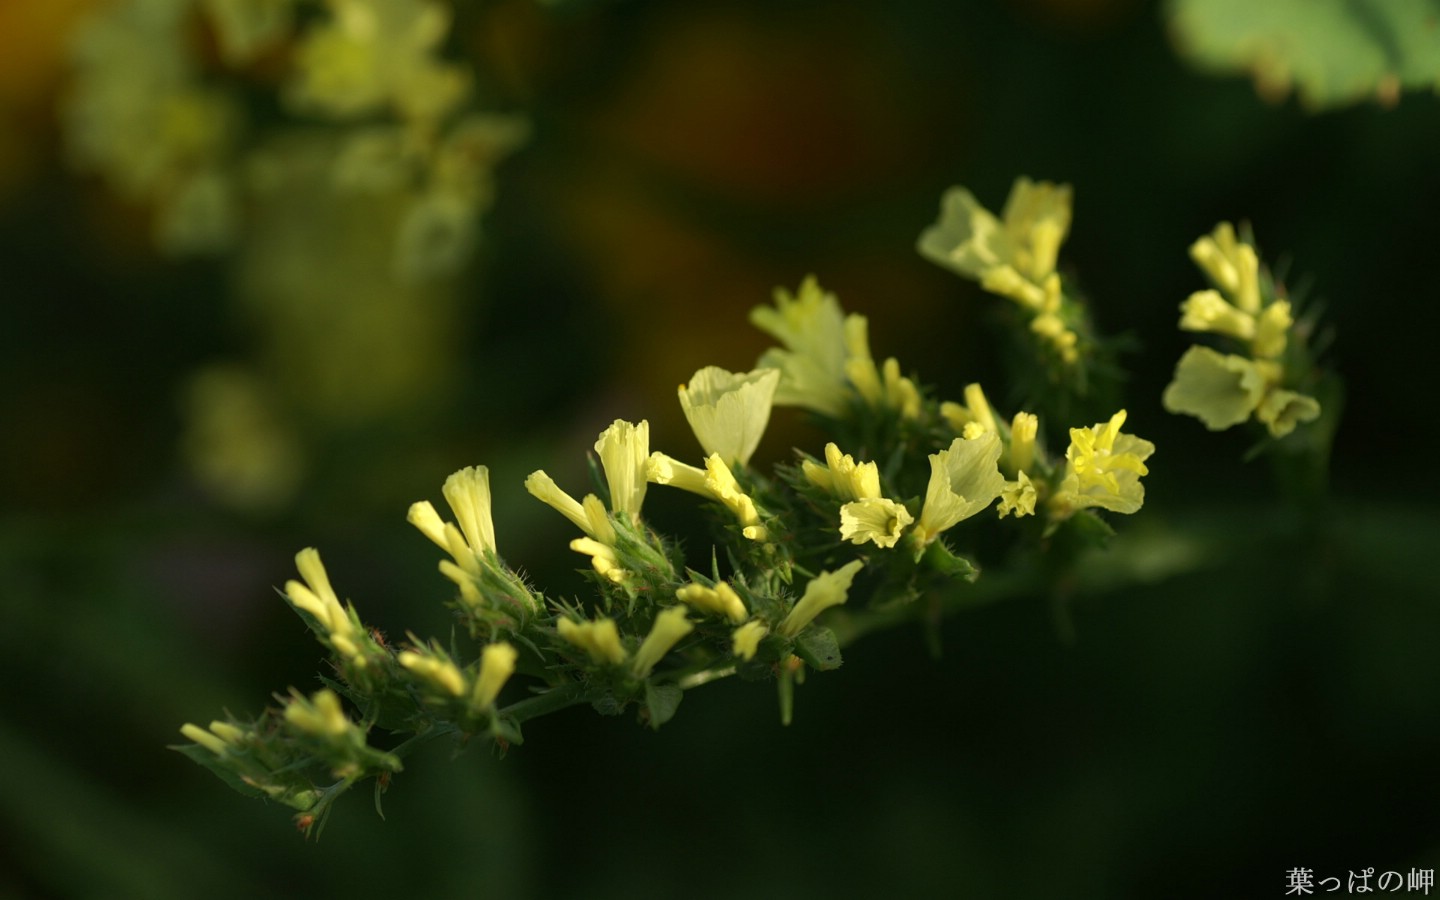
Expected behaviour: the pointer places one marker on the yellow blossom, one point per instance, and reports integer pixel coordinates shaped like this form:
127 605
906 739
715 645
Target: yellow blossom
1220 390
874 519
215 742
1272 329
1023 430
745 640
434 669
716 482
1208 311
623 449
727 411
670 626
964 479
1017 497
318 598
971 241
883 388
824 591
497 664
1282 410
842 476
1232 265
811 326
320 716
1103 468
599 638
721 600
588 516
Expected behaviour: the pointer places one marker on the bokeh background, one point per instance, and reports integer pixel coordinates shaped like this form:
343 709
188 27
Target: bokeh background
1197 735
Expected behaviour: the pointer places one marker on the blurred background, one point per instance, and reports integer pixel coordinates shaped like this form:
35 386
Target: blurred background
196 386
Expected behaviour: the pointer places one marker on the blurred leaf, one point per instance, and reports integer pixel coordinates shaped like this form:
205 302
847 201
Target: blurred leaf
819 648
661 701
1331 52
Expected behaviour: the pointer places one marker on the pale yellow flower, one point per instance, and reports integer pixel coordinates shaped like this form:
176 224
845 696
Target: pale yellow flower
811 326
1018 497
497 664
1232 265
824 591
599 638
1103 468
318 598
1023 430
720 600
1220 390
1208 311
745 641
715 482
670 626
728 412
842 477
964 479
1282 410
435 670
874 519
623 449
971 241
320 716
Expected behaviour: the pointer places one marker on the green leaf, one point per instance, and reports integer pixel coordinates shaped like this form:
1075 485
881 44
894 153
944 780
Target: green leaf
1331 52
661 701
209 760
819 649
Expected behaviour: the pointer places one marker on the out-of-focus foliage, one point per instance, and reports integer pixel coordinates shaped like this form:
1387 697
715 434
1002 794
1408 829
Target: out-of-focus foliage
1329 52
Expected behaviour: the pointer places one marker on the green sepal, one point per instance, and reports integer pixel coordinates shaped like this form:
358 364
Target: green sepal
505 731
944 561
819 648
607 704
661 702
204 757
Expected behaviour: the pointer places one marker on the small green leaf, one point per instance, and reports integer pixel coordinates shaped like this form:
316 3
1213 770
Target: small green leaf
1331 52
661 701
819 649
209 760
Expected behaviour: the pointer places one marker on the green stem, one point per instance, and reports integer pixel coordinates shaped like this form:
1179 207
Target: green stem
551 701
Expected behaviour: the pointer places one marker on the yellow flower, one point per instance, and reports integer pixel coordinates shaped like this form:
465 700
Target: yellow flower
599 638
874 519
1103 468
824 591
811 325
883 388
964 479
434 669
1282 410
1208 311
969 240
745 640
1272 329
1023 430
218 740
1018 497
670 626
716 482
721 600
318 598
1220 390
1232 265
320 716
497 664
842 476
589 516
727 411
623 449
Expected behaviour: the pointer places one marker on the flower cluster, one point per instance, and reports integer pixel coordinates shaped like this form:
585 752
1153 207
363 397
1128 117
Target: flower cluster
1013 256
1249 310
867 533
